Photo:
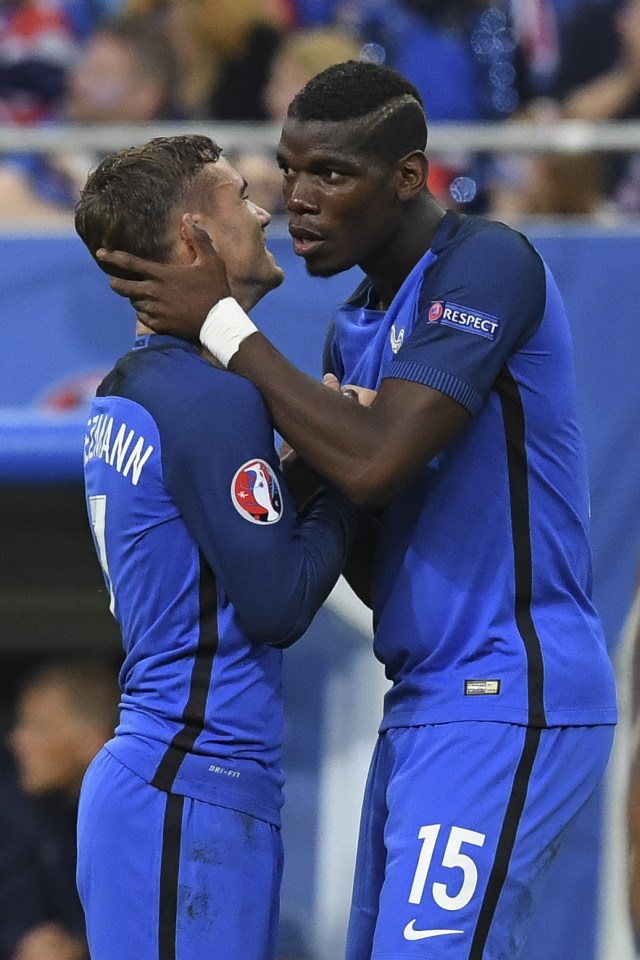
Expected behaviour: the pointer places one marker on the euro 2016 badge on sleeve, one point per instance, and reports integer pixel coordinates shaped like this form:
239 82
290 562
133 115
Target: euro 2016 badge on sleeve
255 492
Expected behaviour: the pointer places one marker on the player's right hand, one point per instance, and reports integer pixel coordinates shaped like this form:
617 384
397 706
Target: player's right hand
169 297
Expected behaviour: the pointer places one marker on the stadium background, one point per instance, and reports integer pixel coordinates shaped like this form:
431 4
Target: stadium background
62 328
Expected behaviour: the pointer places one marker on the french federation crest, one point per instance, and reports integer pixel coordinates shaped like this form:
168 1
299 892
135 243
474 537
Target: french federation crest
255 492
396 339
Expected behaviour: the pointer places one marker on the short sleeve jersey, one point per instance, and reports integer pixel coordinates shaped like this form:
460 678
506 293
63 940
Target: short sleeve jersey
482 580
209 569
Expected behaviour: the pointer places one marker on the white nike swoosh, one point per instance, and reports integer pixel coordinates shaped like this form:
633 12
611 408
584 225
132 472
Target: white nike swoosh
410 933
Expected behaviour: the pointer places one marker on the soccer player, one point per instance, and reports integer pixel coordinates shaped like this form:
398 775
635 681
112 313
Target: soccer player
499 720
211 573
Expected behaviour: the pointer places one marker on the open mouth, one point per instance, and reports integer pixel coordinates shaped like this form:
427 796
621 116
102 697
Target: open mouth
303 248
305 242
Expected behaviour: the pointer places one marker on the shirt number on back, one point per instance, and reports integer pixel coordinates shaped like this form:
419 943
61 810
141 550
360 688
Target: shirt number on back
98 512
452 858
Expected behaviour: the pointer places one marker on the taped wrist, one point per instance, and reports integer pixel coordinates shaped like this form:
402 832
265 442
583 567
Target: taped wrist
224 329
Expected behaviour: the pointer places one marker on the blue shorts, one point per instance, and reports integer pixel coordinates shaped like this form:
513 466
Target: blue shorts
166 877
459 822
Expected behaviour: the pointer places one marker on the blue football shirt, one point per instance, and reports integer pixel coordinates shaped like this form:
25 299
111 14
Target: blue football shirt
482 580
209 568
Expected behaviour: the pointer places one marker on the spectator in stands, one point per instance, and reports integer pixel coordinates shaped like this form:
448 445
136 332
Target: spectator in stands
65 713
225 48
546 185
598 79
247 42
537 27
521 186
86 16
471 43
300 55
589 44
127 75
37 47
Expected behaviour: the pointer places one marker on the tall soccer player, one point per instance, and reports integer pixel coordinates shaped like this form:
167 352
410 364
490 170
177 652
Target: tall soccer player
499 720
211 573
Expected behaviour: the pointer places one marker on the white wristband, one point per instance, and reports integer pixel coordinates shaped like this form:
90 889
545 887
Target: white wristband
224 329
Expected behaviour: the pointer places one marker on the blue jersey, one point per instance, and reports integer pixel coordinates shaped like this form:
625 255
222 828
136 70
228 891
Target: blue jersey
209 569
482 581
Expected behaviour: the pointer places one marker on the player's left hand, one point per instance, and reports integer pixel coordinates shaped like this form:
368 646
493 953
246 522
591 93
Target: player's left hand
167 297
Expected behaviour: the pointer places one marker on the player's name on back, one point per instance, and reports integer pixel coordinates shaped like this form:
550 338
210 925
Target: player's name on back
120 448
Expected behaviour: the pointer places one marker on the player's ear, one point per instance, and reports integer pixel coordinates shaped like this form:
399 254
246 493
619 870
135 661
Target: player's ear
187 252
411 175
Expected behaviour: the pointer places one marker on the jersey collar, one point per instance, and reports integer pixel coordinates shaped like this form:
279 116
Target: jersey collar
156 341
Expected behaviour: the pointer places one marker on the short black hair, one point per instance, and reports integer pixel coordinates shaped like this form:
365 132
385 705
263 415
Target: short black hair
361 90
128 201
348 90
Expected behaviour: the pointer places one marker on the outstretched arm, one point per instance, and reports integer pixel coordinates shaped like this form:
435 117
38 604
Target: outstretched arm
366 452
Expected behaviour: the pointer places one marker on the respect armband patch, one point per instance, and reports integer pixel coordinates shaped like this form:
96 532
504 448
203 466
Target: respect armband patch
463 318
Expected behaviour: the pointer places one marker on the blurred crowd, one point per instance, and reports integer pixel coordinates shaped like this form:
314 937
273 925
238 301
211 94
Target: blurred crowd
138 61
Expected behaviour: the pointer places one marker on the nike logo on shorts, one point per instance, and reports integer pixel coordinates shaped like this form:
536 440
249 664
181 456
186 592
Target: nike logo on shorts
410 933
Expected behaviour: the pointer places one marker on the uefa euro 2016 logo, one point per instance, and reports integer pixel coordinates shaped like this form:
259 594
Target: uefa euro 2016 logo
255 492
435 311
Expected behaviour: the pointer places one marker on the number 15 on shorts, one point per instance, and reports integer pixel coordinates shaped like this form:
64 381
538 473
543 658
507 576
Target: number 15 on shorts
454 895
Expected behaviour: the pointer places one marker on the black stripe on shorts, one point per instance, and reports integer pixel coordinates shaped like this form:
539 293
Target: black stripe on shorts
506 842
169 869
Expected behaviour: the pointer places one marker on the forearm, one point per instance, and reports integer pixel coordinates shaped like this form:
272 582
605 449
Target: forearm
366 452
326 532
337 437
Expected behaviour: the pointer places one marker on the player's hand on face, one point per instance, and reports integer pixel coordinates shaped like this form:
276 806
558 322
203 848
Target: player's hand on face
169 297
